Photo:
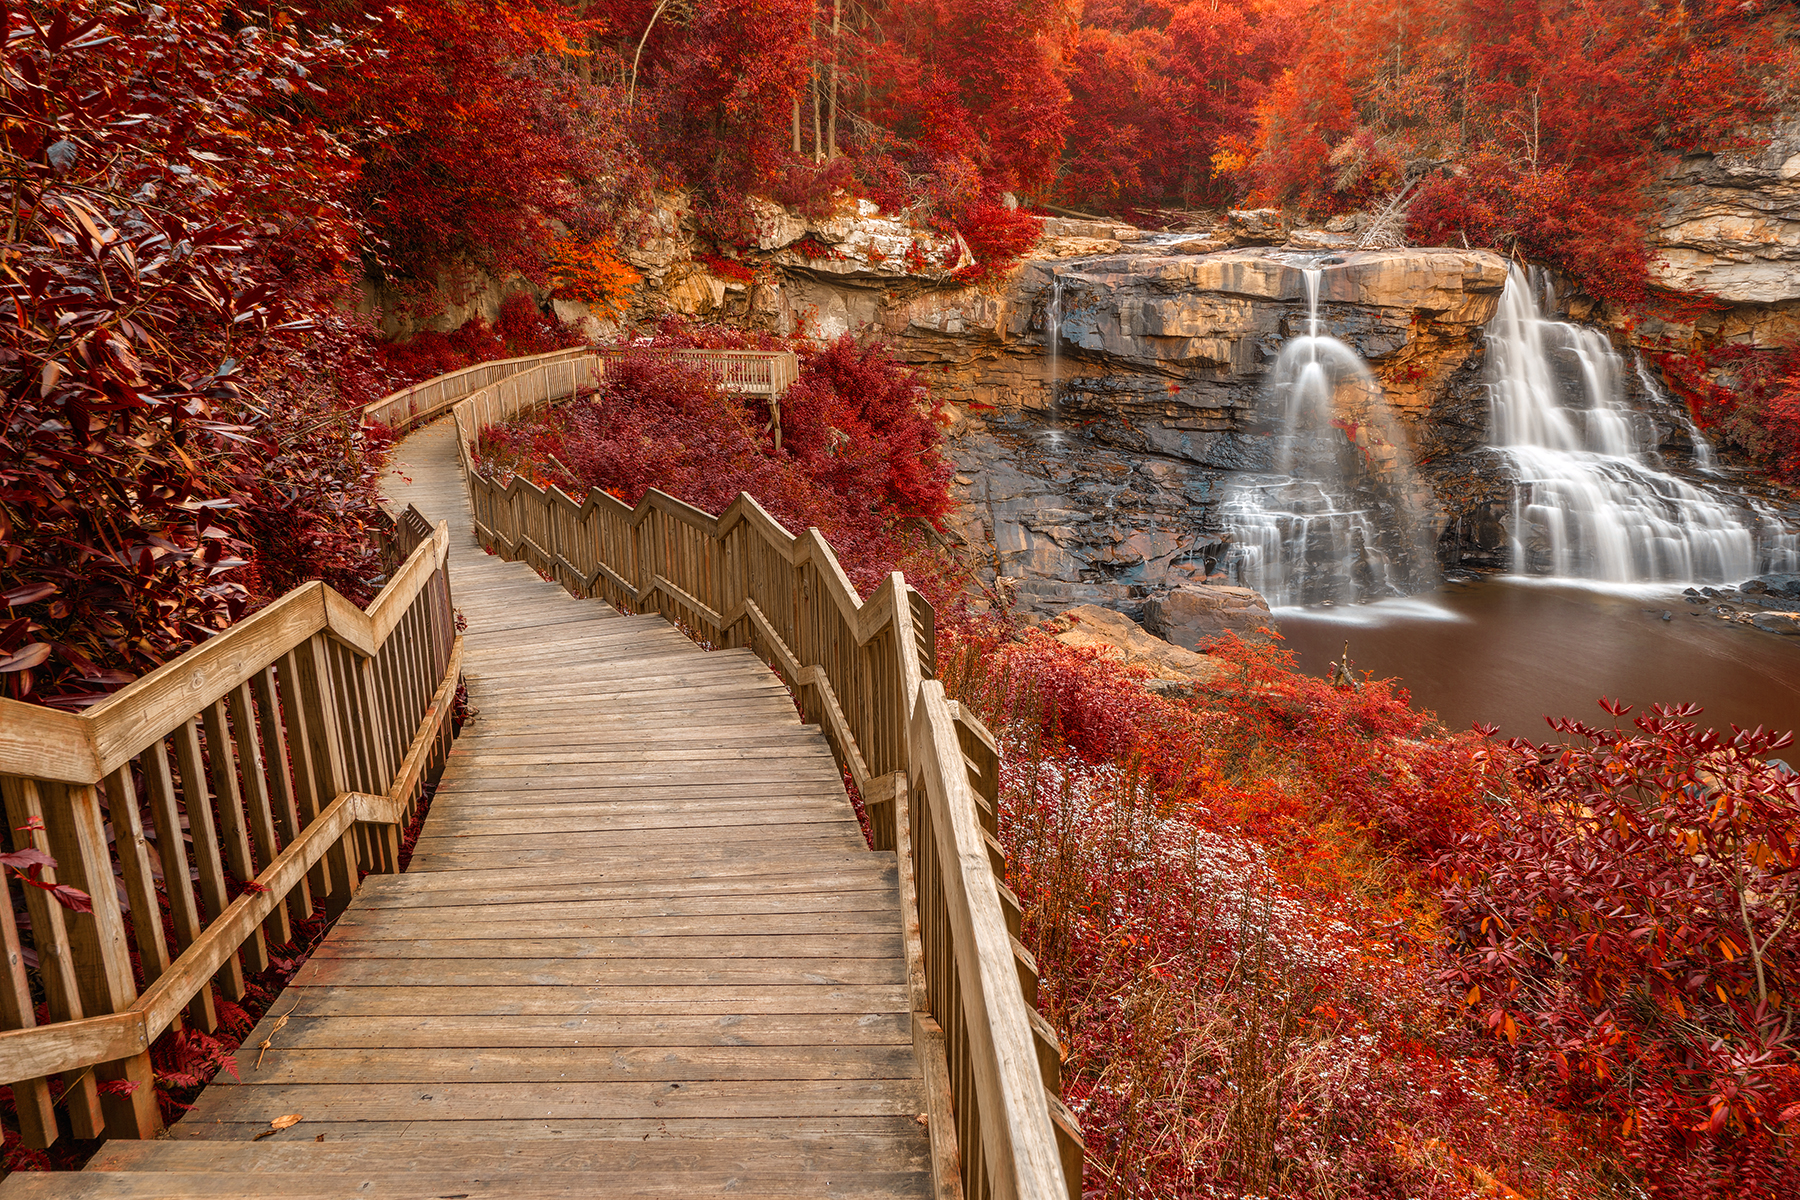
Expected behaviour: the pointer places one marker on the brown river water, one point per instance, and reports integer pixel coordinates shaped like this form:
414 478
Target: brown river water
1510 652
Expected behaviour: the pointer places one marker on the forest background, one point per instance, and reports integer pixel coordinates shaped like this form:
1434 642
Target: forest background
1394 961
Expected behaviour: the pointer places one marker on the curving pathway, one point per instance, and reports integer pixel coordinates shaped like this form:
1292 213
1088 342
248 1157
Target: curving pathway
642 948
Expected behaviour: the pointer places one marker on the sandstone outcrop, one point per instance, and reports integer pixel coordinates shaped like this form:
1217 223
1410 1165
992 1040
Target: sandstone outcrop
1729 223
1192 616
1120 637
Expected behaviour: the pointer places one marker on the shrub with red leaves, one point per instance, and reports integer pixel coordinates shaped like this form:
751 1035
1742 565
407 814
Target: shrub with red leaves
1226 899
860 454
1550 214
1629 933
180 228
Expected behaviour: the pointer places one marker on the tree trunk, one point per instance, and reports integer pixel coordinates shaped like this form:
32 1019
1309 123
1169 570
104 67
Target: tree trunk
837 13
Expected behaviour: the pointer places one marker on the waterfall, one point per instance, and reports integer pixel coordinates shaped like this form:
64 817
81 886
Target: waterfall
1590 503
1704 459
1341 519
1053 340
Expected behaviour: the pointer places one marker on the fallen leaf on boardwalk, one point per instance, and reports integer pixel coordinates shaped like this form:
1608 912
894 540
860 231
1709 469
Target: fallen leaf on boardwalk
923 1119
273 1030
279 1124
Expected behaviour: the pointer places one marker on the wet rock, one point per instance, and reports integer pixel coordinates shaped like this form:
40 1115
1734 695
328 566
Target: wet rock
1121 637
1192 616
1772 622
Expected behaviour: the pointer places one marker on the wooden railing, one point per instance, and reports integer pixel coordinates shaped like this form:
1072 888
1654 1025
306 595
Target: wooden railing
754 372
927 771
273 763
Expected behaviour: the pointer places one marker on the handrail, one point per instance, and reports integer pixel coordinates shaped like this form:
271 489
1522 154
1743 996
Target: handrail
758 372
283 755
927 771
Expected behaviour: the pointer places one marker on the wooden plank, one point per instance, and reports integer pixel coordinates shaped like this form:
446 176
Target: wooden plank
159 1185
867 1151
611 1099
287 1065
516 998
855 900
325 969
648 951
591 1033
567 1129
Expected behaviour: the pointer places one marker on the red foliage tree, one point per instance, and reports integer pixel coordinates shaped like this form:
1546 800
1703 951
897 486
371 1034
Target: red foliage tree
476 136
1549 116
976 87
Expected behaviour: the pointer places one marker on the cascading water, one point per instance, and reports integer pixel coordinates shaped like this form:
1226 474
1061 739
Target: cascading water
1589 502
1340 521
1053 340
1705 461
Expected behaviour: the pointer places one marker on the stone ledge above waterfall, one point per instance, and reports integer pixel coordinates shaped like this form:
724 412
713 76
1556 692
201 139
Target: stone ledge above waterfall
1156 325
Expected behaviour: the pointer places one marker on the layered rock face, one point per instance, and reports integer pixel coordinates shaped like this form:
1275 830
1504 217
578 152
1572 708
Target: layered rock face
1104 483
1730 223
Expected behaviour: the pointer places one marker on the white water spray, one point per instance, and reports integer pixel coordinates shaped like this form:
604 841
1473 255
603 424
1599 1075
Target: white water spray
1339 522
1053 340
1589 503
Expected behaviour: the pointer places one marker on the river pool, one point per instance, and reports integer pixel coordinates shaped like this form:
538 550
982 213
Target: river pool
1510 651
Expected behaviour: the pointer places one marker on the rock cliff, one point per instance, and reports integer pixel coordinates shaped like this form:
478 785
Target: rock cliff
1105 393
1729 223
1102 482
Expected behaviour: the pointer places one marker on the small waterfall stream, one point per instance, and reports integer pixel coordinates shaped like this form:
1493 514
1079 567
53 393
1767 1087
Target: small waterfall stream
1053 342
1338 521
1591 502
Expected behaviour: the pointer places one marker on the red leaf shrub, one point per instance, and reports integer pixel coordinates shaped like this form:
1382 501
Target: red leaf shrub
859 458
180 228
1628 930
1752 405
1552 215
1237 942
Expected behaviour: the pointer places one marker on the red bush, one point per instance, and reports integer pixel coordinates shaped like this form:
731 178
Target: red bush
1629 933
1552 215
860 457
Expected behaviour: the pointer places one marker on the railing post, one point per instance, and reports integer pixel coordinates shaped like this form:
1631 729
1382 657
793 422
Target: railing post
99 953
50 937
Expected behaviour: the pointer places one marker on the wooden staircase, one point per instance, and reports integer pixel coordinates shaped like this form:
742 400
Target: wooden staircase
643 947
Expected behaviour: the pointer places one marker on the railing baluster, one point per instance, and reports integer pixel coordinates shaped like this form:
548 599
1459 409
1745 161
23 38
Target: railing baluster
204 837
256 795
31 1097
171 848
233 827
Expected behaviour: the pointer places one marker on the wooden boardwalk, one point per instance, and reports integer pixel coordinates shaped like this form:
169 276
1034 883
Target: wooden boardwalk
642 948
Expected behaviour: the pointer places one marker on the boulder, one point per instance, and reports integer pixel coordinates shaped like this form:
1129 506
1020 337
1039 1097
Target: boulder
1123 638
1193 615
1777 622
1256 226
